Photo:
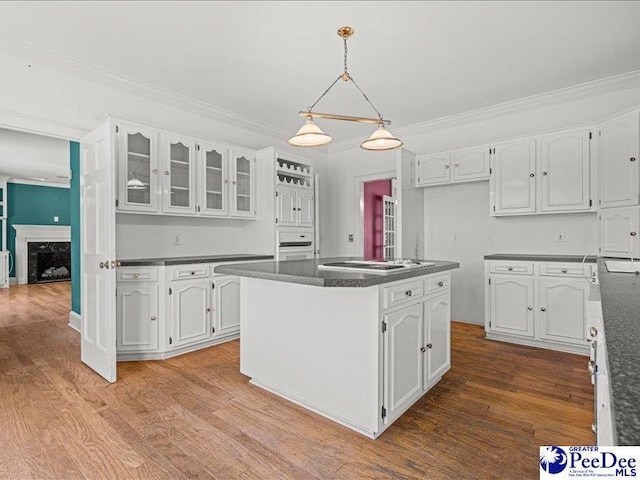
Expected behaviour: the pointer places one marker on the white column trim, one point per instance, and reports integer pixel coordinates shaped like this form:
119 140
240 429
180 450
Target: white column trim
35 233
75 321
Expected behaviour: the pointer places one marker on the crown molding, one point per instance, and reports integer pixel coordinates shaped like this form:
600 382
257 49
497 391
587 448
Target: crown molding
42 126
139 88
574 93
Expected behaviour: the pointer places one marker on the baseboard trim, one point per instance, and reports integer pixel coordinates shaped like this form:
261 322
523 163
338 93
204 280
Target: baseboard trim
576 349
75 321
13 281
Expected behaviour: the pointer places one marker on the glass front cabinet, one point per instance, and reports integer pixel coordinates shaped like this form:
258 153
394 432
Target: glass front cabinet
178 175
213 180
137 169
243 164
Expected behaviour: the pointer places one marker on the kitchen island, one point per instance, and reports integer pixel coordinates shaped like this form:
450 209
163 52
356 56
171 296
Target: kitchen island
358 348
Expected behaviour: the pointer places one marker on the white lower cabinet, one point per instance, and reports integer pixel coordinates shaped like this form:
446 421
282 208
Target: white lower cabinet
137 315
543 304
227 306
190 312
437 340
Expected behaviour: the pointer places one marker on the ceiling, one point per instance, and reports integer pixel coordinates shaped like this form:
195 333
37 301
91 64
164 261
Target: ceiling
417 61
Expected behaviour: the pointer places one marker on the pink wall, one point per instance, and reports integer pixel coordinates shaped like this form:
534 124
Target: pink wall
373 192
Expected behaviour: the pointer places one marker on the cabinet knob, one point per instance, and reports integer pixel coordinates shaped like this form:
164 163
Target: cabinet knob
208 309
234 182
532 175
440 284
136 275
166 172
542 309
429 345
564 270
155 170
455 165
510 268
408 293
423 349
193 273
226 181
529 308
632 159
153 318
446 166
633 234
593 331
592 367
544 174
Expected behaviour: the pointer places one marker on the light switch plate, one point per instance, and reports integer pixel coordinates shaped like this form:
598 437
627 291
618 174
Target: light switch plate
177 239
56 219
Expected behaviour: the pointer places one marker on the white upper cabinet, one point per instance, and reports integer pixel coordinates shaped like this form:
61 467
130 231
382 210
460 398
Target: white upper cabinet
471 164
433 169
243 185
564 172
618 232
513 183
137 169
213 176
618 157
295 207
179 168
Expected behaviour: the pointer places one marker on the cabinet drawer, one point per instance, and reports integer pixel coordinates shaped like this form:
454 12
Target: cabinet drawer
190 271
402 293
437 283
565 269
517 268
137 274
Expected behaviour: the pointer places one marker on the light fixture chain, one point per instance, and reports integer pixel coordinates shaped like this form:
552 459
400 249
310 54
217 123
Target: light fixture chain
325 92
366 98
345 55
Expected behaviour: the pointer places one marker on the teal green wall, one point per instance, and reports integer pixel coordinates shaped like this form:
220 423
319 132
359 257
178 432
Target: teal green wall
74 208
34 205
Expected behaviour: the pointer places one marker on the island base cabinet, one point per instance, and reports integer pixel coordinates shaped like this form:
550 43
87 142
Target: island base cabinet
137 317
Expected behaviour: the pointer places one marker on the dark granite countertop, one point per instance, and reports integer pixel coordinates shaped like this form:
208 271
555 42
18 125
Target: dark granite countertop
155 262
306 272
620 296
540 258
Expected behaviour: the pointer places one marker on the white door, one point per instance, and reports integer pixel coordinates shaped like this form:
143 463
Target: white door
618 157
513 183
435 168
137 169
511 305
137 317
619 228
98 248
437 319
213 180
179 156
226 305
402 360
564 172
190 311
305 208
389 236
561 310
243 184
287 207
471 164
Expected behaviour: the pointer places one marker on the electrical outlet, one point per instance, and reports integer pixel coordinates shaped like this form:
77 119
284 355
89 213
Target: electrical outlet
560 237
456 237
350 237
177 239
56 219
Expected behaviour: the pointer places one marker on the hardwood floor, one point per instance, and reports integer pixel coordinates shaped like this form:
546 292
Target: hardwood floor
196 416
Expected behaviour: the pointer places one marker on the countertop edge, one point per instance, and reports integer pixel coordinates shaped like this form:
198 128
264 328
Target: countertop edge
541 257
171 261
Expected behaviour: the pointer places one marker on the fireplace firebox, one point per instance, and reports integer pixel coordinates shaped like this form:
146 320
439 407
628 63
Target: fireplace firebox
48 262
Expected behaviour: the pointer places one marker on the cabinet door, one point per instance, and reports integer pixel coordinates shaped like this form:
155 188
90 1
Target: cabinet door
564 172
190 311
471 164
179 175
243 184
287 207
618 157
304 204
433 169
227 306
437 320
561 309
513 185
137 169
214 180
511 305
618 230
137 317
403 359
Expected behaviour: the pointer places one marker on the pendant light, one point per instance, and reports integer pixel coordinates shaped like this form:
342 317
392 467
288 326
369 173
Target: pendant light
310 135
136 184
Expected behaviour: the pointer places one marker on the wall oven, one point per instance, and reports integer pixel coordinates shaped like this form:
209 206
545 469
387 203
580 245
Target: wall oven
295 246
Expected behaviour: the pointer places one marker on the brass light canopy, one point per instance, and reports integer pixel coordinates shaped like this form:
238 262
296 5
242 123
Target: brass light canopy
310 135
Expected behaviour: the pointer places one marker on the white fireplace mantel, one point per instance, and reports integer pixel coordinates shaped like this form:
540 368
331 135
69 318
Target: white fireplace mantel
35 233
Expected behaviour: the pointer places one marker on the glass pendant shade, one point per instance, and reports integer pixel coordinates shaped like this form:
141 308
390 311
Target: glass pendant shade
135 184
309 135
381 139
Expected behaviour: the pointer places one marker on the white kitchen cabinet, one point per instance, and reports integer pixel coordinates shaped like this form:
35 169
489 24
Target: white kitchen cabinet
243 183
179 173
226 306
433 169
305 208
190 312
511 305
618 158
618 232
513 183
403 360
137 168
137 317
561 309
564 172
437 320
295 206
213 180
471 164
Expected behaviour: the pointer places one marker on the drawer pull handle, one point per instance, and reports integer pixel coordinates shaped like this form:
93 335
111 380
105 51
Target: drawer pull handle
408 293
510 268
153 318
593 331
440 284
564 270
592 367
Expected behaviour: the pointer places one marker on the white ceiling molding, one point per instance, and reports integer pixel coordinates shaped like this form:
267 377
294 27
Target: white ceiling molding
42 126
109 78
555 97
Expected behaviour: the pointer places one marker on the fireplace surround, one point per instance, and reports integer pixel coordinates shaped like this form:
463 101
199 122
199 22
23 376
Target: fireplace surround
26 234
